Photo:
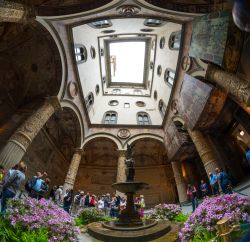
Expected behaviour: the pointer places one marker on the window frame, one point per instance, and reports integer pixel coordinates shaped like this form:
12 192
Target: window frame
142 115
111 113
162 108
167 77
89 98
95 24
83 54
172 40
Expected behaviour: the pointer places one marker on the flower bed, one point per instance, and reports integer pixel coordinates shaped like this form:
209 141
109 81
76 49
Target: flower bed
172 212
201 225
41 216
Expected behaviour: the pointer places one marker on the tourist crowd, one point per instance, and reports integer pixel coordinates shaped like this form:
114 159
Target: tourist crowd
38 186
110 205
220 182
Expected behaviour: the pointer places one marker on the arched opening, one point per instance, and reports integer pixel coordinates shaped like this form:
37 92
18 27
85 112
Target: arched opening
152 167
53 147
98 166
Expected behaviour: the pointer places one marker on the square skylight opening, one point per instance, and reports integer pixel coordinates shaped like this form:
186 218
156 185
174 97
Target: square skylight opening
126 61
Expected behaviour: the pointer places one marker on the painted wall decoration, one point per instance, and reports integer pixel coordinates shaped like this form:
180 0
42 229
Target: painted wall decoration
194 95
174 140
209 37
244 70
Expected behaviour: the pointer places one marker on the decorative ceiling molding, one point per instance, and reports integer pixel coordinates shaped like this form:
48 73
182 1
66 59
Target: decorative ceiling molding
128 10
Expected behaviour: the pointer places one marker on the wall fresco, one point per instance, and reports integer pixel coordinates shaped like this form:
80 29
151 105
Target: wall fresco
194 95
209 37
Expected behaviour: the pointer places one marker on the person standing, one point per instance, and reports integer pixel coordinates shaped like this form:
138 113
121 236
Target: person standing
203 189
93 201
86 201
192 195
100 203
67 200
52 193
214 183
248 156
142 206
107 202
36 185
58 195
224 181
77 202
12 184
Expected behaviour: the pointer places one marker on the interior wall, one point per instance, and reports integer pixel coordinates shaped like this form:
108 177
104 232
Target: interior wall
161 184
42 155
90 74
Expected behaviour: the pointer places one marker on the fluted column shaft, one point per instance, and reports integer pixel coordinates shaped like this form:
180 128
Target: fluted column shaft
15 12
180 182
205 151
19 142
73 169
121 167
237 87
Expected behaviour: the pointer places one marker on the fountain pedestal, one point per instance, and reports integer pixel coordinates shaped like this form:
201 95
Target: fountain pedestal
129 227
129 216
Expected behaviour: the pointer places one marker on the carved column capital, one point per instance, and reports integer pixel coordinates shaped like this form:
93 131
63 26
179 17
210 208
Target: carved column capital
30 128
54 101
79 151
25 134
122 153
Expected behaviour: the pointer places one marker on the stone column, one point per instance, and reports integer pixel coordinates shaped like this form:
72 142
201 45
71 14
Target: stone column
19 142
180 182
237 87
15 12
204 149
121 167
72 172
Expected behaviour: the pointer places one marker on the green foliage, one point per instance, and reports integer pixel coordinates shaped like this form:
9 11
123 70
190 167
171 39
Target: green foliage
89 215
9 233
181 218
201 234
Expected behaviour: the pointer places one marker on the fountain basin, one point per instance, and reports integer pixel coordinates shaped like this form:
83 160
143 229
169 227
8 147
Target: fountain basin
146 224
129 187
98 231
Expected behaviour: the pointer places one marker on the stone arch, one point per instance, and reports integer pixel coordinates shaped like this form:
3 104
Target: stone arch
78 118
142 136
64 129
103 135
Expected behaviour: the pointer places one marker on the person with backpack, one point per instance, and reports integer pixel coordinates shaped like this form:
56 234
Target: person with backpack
35 185
67 200
12 184
77 200
223 180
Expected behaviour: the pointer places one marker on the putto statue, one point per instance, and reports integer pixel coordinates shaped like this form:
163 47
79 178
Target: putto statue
130 170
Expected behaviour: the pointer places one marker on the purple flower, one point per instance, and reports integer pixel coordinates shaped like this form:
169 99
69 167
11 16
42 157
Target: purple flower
234 207
35 214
